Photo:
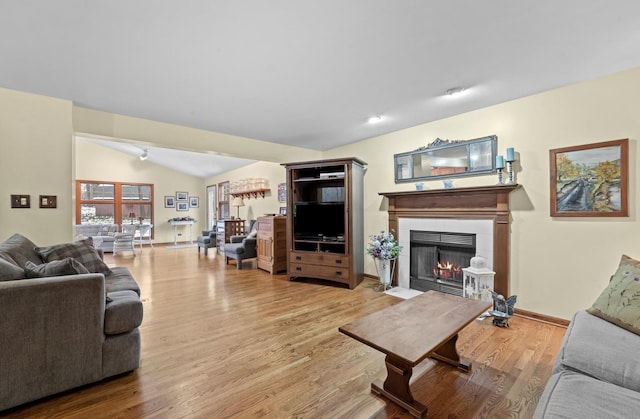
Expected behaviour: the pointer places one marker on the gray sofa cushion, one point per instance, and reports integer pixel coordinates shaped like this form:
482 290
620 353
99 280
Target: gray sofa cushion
572 395
600 349
10 271
123 313
82 251
120 279
20 249
67 266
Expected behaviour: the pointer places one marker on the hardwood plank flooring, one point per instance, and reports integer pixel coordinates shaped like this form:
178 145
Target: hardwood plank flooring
219 342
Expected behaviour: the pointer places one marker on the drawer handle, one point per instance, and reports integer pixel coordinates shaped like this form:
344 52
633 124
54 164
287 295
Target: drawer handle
298 268
339 261
338 273
298 257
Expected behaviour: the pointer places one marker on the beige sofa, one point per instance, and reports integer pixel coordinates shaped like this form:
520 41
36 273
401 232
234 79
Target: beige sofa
65 321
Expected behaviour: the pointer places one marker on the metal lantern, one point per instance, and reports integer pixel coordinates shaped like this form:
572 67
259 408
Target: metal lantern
477 280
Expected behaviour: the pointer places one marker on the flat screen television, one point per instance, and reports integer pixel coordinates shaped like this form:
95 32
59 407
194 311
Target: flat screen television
318 221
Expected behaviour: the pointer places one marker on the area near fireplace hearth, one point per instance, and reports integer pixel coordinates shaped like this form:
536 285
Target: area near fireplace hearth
478 217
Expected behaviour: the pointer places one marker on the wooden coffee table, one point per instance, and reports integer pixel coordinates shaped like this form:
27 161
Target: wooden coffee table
410 331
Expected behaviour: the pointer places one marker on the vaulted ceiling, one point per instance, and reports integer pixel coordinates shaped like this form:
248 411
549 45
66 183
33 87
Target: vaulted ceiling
308 73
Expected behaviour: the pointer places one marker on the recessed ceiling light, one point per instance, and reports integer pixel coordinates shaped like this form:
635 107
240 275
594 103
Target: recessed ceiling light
456 91
374 119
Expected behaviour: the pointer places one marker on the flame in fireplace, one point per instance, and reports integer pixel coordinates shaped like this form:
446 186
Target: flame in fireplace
447 270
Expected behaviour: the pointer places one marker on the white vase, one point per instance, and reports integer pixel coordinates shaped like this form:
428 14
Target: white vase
384 271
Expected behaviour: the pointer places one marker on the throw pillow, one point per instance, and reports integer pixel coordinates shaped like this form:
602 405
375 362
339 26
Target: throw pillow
253 234
10 271
82 251
619 303
67 266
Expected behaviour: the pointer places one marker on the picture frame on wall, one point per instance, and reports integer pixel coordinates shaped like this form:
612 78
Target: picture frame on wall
194 202
169 201
182 206
182 196
590 180
48 201
20 201
282 192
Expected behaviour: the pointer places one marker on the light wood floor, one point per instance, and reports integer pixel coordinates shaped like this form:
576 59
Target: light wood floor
220 342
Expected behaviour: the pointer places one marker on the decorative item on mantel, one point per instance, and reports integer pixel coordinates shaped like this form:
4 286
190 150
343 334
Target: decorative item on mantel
385 250
511 157
500 168
500 161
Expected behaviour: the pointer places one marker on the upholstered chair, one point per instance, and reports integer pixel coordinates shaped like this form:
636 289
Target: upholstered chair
242 247
207 240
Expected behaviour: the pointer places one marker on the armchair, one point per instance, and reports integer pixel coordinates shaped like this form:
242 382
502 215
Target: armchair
242 247
207 240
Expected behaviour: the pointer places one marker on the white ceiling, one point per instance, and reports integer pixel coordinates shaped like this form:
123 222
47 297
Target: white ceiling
195 164
304 72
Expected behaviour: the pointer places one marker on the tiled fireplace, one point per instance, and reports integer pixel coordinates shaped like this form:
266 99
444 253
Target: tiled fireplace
477 216
438 249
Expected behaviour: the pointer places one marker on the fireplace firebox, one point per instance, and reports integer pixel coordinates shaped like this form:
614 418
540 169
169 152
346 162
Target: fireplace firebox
437 259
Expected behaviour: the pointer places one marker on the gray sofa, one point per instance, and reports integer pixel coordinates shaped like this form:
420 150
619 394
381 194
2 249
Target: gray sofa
66 319
596 373
106 233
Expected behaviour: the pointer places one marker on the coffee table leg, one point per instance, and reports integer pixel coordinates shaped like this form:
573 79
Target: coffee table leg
448 353
396 387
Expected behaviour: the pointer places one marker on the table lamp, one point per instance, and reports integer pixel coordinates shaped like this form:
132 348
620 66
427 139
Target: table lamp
237 202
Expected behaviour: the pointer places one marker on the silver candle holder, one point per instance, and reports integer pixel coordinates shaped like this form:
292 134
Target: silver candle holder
510 174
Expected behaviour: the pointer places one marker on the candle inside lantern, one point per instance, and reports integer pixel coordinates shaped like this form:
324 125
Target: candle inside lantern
511 154
499 162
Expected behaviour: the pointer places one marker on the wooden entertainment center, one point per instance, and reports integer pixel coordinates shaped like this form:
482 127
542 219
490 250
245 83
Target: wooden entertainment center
325 231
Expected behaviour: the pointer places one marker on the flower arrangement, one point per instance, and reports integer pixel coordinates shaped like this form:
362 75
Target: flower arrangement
174 219
383 246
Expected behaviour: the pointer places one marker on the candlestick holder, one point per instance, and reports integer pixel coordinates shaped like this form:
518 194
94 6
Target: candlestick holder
510 174
500 182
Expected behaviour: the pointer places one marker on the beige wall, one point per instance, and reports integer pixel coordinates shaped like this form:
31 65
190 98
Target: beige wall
255 207
558 265
36 159
95 162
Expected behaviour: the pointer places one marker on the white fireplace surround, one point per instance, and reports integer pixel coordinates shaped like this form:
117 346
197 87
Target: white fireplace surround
483 229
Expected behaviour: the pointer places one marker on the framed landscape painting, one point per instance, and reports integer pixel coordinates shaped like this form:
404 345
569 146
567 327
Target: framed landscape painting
590 180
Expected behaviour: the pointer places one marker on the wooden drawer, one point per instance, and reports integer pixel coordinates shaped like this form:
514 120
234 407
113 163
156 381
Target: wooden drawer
332 273
327 259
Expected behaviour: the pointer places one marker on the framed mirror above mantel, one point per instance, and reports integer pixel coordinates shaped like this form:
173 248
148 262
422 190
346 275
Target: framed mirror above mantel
447 159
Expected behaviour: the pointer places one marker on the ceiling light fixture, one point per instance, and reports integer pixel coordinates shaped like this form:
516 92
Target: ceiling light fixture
374 119
144 155
456 91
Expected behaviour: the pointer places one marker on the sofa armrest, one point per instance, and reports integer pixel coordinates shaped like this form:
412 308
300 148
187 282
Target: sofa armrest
50 324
